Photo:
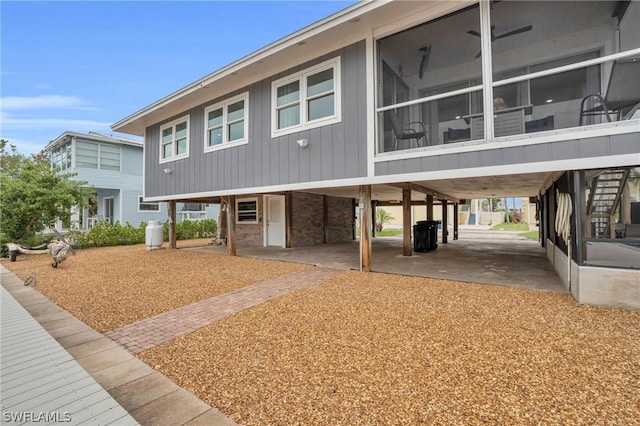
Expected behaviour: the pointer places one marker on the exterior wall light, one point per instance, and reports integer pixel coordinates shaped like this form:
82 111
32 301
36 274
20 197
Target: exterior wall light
303 143
167 171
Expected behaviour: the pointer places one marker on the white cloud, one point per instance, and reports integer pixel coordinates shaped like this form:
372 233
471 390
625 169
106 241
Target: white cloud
13 103
50 123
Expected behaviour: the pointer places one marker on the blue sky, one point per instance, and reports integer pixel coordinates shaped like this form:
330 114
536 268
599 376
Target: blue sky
83 65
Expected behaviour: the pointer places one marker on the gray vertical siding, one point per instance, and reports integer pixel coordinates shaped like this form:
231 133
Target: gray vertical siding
335 151
552 151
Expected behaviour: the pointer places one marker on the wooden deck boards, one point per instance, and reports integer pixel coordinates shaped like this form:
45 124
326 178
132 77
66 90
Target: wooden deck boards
38 377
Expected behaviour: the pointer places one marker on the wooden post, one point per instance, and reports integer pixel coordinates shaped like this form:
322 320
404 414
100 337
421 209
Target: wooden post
455 221
222 225
231 225
406 222
429 207
445 220
172 224
365 228
288 219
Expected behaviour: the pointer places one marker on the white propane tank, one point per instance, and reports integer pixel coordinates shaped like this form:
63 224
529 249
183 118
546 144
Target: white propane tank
153 235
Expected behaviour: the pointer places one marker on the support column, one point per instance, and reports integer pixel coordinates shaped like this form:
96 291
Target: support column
579 215
231 225
374 207
429 207
455 221
365 228
354 204
288 219
445 220
325 219
172 224
406 222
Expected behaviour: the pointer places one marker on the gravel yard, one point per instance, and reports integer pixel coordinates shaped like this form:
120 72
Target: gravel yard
383 349
363 348
110 287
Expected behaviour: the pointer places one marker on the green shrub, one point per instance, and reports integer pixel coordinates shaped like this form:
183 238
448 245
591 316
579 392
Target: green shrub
192 229
105 234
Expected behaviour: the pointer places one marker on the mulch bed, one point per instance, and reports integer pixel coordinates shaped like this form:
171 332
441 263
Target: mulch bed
384 349
109 287
364 348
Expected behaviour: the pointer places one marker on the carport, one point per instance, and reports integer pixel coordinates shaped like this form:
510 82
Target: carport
467 255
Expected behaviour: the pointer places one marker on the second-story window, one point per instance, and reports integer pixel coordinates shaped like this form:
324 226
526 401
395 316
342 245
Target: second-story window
90 155
307 99
226 123
174 140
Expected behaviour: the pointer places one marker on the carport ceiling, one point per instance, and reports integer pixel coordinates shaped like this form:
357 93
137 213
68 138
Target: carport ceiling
520 185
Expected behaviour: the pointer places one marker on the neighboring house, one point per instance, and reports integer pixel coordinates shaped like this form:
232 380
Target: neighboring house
411 102
112 166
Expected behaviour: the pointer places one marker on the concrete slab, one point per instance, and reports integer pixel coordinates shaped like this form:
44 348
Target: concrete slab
487 257
134 394
122 373
104 359
183 409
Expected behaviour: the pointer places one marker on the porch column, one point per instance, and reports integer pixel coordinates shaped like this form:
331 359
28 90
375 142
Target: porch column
455 221
445 220
429 207
231 225
172 224
288 219
365 228
354 204
406 222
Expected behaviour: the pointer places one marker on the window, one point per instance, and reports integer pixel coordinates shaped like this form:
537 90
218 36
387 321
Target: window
87 155
247 210
90 155
226 124
308 99
147 206
61 157
174 140
110 158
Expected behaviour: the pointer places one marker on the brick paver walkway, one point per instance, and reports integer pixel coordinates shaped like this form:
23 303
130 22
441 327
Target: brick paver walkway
153 331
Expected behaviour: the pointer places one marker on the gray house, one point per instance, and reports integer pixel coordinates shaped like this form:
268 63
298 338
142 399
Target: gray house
112 166
431 102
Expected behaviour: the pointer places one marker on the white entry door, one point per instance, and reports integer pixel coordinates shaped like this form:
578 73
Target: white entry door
275 232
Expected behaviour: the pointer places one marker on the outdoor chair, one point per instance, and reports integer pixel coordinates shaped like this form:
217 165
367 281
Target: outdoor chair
408 133
623 92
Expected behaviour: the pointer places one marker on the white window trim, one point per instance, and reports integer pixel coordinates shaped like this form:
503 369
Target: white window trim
224 104
301 77
241 200
173 123
141 201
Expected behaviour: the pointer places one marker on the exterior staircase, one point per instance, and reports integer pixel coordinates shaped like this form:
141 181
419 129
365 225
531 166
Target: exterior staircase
604 198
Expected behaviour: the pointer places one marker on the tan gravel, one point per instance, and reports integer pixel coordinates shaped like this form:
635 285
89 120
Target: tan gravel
364 348
110 287
383 349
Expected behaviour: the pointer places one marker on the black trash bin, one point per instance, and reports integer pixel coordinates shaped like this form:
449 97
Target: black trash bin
425 235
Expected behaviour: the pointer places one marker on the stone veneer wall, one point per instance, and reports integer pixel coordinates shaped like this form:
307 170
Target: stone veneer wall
308 219
340 219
